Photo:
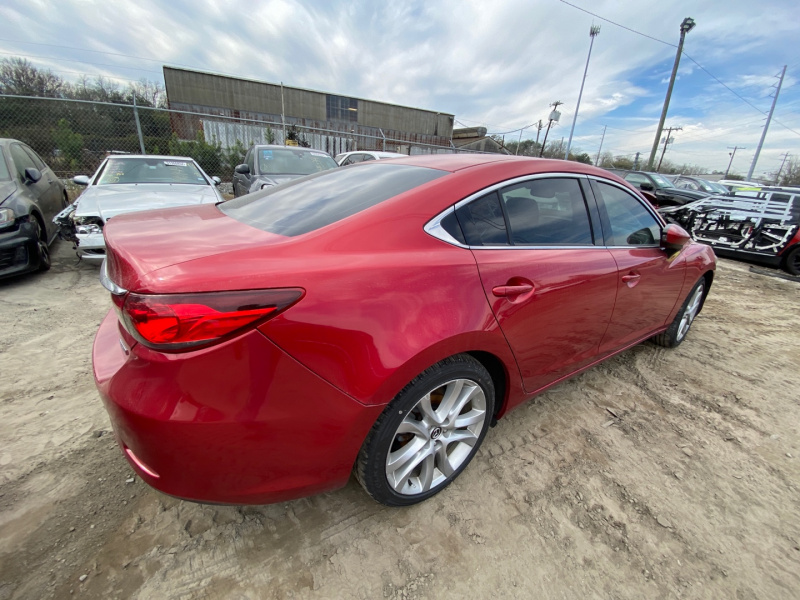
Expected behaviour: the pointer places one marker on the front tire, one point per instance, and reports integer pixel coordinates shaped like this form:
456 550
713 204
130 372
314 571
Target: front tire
428 434
42 250
792 261
679 327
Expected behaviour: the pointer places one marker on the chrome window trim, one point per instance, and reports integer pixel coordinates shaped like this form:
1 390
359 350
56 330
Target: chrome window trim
435 229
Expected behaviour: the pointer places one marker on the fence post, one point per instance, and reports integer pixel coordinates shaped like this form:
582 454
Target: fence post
384 139
138 125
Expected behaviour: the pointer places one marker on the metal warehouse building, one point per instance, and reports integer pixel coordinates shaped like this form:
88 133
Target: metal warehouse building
327 121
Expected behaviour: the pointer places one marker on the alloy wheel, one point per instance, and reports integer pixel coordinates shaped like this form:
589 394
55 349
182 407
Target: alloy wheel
692 308
436 437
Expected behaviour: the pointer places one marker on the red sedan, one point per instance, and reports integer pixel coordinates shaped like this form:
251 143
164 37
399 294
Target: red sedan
375 318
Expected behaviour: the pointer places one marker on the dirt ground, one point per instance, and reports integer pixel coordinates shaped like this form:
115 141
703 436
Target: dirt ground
659 474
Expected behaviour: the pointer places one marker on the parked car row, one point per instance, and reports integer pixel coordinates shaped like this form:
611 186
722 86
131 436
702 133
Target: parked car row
658 189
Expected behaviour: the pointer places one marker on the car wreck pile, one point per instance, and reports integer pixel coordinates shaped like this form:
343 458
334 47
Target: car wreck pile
762 224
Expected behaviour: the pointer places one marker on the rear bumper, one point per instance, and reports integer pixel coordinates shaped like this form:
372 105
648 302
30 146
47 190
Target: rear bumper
18 249
237 423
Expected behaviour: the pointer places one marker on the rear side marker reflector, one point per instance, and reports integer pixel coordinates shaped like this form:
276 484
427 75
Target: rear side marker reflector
188 321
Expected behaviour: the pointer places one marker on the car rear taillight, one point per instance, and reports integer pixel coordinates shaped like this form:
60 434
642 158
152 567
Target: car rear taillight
174 322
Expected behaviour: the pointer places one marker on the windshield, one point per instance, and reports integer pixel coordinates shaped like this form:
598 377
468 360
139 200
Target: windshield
3 167
151 170
662 182
279 161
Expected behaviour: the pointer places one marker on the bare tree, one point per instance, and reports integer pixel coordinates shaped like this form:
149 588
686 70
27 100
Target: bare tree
19 77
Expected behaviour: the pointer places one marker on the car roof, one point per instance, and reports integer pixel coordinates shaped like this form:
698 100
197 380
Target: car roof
457 162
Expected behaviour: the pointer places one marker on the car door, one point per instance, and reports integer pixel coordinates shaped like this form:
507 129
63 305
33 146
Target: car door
241 181
53 202
649 279
38 192
551 287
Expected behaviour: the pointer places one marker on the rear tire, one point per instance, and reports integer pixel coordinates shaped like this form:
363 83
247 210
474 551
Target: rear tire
428 434
792 261
679 327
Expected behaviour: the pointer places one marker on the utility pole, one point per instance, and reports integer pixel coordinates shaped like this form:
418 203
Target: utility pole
554 116
766 126
732 154
593 31
636 162
778 176
283 116
686 26
667 140
138 125
539 128
597 160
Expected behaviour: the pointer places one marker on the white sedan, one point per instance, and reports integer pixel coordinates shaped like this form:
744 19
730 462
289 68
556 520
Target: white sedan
131 183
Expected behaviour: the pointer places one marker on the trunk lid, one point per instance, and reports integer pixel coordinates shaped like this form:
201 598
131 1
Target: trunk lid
139 245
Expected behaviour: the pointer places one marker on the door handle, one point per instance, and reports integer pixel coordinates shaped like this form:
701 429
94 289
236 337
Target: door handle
631 280
504 291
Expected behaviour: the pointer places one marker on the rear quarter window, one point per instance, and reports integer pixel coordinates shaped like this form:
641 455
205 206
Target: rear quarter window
318 200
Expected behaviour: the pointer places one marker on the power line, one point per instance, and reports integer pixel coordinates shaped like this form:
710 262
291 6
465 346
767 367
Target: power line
81 49
617 24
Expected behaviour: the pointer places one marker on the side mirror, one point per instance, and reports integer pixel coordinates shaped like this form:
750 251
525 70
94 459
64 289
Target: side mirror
32 174
216 180
647 187
80 180
674 237
242 169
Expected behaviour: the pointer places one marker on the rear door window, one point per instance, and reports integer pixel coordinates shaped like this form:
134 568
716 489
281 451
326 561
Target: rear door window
315 201
547 212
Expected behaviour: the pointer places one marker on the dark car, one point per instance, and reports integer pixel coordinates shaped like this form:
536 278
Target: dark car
662 191
270 165
762 226
697 184
30 196
375 318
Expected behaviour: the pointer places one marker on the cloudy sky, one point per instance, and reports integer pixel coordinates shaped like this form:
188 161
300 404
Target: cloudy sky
498 64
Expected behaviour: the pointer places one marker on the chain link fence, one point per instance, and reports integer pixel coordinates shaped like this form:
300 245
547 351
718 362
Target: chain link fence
73 136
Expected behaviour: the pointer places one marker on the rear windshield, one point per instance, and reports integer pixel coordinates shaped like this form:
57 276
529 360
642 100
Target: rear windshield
318 200
285 161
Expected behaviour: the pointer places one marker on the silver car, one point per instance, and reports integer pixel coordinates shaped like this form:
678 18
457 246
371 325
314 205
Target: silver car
131 183
270 165
352 158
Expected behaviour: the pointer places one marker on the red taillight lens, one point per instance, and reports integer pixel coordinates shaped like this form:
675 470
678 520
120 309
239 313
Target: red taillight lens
183 321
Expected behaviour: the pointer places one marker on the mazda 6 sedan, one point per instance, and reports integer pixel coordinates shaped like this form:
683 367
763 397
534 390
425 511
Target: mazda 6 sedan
374 319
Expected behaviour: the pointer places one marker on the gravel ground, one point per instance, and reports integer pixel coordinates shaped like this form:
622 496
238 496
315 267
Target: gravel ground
659 474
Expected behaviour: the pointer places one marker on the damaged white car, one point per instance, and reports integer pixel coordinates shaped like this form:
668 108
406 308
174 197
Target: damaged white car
131 183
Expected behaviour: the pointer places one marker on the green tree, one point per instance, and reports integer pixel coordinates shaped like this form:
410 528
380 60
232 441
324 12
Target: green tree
208 156
69 142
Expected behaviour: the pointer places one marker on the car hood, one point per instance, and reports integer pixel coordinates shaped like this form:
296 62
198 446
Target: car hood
107 201
6 189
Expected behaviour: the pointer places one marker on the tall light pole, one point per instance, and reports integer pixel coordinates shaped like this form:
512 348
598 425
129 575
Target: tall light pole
686 26
766 126
593 31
